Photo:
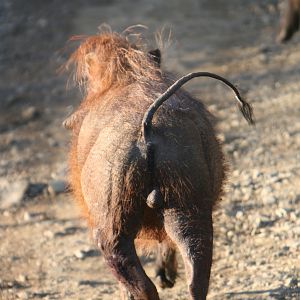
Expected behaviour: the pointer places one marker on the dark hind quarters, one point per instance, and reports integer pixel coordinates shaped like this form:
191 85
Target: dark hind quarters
155 55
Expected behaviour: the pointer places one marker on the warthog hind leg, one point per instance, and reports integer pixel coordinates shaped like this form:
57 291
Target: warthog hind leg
192 231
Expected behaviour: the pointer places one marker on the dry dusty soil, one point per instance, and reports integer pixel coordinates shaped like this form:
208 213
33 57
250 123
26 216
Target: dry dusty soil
45 248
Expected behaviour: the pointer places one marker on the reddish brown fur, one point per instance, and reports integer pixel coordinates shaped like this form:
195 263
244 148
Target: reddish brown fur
110 61
108 172
103 62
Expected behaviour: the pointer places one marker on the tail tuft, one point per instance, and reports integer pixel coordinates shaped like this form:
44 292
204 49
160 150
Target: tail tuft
247 111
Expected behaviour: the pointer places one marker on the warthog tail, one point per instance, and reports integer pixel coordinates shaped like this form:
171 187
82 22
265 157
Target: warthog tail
244 107
154 199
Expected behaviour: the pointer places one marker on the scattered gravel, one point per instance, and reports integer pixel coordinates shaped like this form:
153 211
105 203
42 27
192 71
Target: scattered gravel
46 251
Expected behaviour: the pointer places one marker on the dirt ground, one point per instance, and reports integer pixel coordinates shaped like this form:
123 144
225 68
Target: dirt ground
45 248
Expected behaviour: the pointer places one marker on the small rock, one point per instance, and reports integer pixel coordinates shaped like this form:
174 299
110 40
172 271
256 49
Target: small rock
48 234
57 186
15 284
246 193
292 282
236 154
6 213
281 212
14 258
243 144
258 151
35 216
263 58
252 263
27 216
235 123
13 194
41 294
293 216
274 179
269 200
79 254
256 173
82 254
38 263
236 173
297 199
23 295
29 113
229 252
68 231
263 221
286 248
91 283
230 234
239 215
221 137
22 278
91 253
230 148
263 262
35 189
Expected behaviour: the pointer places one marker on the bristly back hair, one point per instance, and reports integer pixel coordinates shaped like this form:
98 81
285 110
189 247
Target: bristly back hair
109 60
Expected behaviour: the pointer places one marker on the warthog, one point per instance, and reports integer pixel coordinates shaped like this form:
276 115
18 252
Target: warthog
289 20
144 173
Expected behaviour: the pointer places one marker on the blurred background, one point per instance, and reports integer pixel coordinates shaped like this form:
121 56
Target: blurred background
45 249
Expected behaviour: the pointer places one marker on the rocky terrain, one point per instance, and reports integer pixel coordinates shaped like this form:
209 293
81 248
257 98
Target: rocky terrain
45 248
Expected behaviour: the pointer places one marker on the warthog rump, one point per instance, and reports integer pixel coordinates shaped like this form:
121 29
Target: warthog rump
146 171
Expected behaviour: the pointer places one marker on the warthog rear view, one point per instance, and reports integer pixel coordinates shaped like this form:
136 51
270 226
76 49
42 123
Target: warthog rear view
147 173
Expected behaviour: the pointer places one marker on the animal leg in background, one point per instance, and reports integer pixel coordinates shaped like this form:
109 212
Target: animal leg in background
289 20
166 265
